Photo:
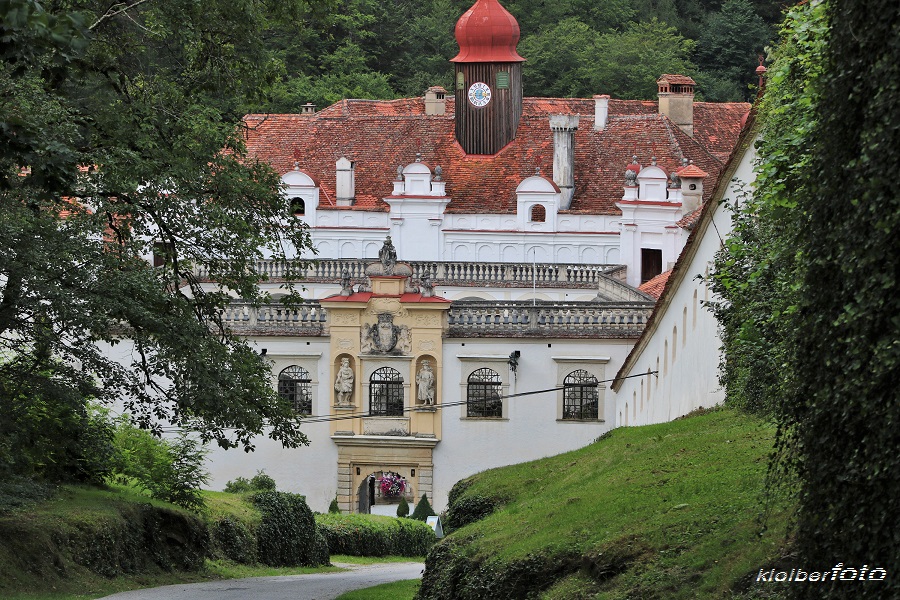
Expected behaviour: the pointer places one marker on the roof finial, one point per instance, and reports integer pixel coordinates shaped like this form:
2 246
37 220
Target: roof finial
296 165
537 172
761 71
685 162
634 159
418 157
438 172
653 160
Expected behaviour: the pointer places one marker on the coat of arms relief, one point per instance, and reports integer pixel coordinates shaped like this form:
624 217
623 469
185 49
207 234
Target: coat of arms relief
384 337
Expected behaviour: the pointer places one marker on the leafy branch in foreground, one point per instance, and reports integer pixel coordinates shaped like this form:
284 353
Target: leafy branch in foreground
121 144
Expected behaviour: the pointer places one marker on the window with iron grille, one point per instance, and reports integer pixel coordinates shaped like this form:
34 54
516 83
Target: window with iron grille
295 385
386 393
483 394
580 396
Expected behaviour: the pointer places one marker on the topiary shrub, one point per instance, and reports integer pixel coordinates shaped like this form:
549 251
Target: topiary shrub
403 508
333 508
423 509
234 540
374 535
286 535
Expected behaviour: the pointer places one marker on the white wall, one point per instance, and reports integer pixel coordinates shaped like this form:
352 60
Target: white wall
683 343
531 427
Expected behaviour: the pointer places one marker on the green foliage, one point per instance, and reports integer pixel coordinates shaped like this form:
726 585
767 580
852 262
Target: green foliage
403 508
239 485
333 508
262 482
129 111
638 514
464 508
234 539
728 47
168 469
287 534
824 360
373 535
396 590
423 509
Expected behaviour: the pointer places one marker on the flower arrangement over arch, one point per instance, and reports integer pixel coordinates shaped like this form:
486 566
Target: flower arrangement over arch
392 485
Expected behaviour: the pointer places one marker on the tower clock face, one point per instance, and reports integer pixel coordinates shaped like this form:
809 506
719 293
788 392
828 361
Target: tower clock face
479 94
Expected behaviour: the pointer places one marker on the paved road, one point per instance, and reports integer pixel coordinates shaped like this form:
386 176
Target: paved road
317 586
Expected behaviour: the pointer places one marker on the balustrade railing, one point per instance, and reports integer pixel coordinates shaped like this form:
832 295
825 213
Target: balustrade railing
308 318
547 319
466 319
581 276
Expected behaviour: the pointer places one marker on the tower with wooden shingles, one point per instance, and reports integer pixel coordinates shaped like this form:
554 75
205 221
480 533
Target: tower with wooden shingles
488 78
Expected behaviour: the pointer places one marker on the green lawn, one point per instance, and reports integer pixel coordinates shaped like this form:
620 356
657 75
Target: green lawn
670 511
398 590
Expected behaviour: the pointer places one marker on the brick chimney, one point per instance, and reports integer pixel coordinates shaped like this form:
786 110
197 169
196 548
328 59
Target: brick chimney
676 100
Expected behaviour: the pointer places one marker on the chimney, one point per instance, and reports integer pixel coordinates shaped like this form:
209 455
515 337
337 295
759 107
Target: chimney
676 100
308 109
601 112
564 128
346 182
435 100
691 178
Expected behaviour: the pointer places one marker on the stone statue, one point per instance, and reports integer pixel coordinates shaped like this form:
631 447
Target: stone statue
630 178
674 180
343 383
346 283
427 286
388 256
425 381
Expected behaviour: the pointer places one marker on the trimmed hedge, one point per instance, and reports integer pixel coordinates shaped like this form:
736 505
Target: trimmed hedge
287 536
374 535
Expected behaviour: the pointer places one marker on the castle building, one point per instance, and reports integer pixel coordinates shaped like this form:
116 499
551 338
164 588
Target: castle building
477 279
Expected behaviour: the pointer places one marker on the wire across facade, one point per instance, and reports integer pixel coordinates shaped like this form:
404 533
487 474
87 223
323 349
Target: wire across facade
580 396
483 394
295 385
386 393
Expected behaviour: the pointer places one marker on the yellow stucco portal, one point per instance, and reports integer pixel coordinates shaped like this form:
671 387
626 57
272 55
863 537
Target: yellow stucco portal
399 332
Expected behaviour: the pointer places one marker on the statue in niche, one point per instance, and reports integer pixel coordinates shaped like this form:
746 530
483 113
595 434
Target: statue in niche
388 256
425 381
343 383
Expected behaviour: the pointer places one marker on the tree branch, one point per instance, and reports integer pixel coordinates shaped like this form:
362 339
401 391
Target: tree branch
115 9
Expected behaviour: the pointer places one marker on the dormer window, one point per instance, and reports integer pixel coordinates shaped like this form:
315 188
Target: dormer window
298 207
538 213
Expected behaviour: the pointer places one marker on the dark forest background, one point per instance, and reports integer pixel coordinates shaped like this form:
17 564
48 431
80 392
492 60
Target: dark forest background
383 49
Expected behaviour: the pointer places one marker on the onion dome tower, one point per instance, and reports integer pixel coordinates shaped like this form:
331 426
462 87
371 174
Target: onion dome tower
488 78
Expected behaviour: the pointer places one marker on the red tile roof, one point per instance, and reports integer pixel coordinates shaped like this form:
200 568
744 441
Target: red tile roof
655 286
487 32
379 135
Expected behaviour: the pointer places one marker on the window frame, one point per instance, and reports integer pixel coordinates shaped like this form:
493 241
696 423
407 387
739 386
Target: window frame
484 386
387 397
576 397
295 385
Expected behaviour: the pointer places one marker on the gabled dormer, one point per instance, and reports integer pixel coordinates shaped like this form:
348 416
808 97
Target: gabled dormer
417 179
303 193
537 204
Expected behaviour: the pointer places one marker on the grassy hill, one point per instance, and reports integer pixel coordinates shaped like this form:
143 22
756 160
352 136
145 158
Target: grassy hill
665 511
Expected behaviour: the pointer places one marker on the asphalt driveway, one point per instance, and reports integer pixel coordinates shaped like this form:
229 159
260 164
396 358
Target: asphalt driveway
316 586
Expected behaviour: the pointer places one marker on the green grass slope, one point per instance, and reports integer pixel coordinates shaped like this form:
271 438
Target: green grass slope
664 511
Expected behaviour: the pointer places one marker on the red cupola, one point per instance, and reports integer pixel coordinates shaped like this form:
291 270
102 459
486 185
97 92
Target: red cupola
487 32
488 86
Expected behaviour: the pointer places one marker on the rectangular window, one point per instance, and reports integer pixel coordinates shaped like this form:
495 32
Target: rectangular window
651 264
460 81
502 80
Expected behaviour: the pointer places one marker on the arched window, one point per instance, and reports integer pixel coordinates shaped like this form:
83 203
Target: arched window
294 385
386 393
538 213
580 396
298 206
483 394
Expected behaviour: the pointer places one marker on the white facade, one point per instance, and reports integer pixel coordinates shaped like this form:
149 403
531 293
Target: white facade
680 349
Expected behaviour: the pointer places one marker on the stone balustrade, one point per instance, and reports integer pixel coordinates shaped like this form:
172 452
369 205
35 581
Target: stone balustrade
307 319
575 276
489 318
527 319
